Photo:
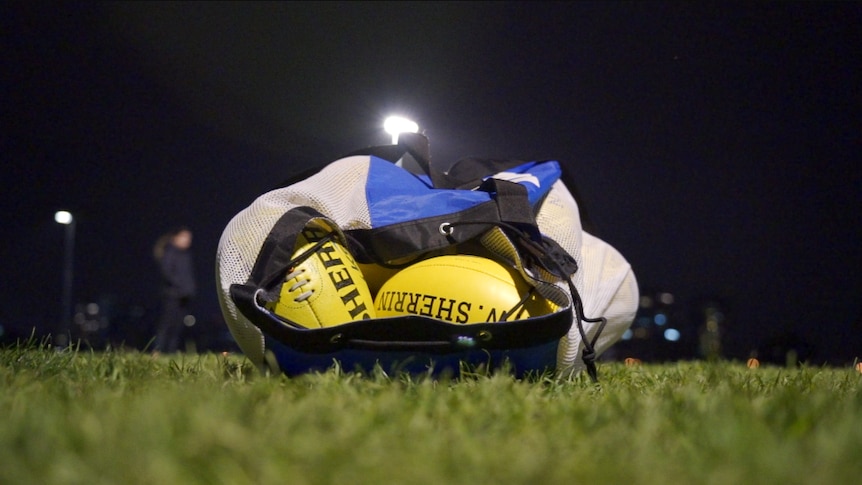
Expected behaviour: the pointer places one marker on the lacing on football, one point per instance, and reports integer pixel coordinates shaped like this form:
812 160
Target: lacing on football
542 253
296 273
289 270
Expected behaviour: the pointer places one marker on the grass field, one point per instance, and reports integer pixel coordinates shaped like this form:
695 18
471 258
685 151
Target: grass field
128 418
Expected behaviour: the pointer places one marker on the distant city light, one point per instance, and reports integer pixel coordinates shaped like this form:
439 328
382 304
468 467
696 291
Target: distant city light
672 334
395 125
666 298
63 217
660 319
627 335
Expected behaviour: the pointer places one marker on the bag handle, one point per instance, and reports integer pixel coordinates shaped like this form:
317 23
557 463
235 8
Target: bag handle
414 149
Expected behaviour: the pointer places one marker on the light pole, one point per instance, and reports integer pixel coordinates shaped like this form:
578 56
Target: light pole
66 218
395 125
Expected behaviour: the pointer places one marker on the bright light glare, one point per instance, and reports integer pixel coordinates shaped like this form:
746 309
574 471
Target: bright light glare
395 125
63 217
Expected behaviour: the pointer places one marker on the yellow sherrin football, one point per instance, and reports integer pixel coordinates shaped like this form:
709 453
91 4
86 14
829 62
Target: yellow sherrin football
460 289
325 289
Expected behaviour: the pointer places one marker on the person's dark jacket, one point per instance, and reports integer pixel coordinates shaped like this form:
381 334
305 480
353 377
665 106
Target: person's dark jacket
178 279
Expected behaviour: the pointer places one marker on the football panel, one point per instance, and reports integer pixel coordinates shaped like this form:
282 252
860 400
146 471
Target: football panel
458 289
328 288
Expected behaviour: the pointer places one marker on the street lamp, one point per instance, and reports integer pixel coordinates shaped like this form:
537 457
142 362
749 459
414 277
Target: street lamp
66 218
395 125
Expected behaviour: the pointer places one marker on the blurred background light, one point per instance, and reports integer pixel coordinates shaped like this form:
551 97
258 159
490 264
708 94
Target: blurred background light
672 335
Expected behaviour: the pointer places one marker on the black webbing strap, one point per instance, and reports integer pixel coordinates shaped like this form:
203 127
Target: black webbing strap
513 205
403 333
277 251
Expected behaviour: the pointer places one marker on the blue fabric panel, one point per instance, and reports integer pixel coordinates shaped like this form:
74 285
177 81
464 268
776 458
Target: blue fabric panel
395 195
523 362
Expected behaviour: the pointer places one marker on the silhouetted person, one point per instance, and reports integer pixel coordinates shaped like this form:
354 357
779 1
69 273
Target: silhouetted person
178 286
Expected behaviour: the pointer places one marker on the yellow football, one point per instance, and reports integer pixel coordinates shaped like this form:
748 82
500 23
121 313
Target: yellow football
460 289
376 275
327 288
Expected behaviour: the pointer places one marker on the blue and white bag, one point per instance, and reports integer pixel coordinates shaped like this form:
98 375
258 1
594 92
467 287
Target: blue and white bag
394 207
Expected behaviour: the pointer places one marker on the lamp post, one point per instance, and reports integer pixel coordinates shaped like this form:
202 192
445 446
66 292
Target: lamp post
66 218
395 125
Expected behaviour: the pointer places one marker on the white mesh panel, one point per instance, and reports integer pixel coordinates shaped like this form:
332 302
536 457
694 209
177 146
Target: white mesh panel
338 191
559 219
609 290
604 279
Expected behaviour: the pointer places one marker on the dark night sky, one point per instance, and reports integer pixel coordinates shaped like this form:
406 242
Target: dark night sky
716 145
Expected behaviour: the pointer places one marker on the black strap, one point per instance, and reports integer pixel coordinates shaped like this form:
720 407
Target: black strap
513 205
277 251
409 332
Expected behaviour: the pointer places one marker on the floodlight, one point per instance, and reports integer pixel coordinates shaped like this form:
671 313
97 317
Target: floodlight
63 217
395 125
